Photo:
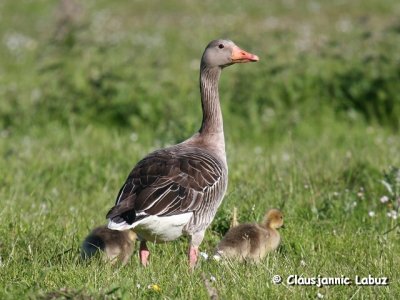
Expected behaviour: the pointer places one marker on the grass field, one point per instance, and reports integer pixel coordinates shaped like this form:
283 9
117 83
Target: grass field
311 129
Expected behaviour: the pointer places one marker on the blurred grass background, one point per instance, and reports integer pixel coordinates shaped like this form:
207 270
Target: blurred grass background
127 64
87 88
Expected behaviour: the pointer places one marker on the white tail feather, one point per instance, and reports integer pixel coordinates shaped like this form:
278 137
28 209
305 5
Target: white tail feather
119 226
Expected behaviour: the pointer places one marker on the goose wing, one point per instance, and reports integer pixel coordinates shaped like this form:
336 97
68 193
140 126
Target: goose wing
166 183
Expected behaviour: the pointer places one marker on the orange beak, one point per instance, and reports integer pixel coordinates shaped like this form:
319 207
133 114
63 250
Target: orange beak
241 56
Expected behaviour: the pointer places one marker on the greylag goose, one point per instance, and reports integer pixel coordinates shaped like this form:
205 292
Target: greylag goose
177 190
116 245
252 241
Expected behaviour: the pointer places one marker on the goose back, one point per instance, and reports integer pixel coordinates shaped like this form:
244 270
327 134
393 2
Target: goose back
173 181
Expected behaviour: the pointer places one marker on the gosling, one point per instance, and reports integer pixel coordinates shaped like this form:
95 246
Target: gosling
252 241
116 245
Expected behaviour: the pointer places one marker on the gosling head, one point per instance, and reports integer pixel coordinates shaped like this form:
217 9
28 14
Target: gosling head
223 53
273 218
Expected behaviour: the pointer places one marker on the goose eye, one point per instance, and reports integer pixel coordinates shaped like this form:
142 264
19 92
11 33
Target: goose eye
220 46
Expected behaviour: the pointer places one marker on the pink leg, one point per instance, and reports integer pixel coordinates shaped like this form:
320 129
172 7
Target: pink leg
193 254
144 253
195 242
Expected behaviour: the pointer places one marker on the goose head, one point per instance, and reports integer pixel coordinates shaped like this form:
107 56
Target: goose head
222 53
274 218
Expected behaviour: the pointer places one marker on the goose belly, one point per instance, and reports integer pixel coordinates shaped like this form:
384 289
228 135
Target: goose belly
162 229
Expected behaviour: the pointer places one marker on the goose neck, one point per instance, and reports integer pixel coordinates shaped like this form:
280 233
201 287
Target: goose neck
212 116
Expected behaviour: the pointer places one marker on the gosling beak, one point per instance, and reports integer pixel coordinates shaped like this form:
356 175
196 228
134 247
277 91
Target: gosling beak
241 56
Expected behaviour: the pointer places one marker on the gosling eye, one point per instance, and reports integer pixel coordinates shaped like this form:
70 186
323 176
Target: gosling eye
221 46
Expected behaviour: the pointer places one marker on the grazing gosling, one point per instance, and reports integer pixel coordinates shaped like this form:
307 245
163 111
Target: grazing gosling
116 245
252 241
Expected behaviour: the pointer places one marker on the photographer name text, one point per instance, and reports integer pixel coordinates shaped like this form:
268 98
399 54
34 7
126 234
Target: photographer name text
320 281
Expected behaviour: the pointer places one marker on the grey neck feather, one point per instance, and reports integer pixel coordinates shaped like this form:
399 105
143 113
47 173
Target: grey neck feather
212 116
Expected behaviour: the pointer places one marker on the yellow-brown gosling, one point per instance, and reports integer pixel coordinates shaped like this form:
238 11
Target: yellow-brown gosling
116 245
252 241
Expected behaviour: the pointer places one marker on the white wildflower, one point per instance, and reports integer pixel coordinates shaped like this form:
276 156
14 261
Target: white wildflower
204 255
4 133
134 137
43 207
320 296
371 214
55 192
17 42
212 278
285 157
303 263
393 214
384 199
257 150
217 257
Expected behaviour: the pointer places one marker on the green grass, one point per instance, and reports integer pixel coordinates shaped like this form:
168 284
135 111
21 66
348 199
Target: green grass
311 129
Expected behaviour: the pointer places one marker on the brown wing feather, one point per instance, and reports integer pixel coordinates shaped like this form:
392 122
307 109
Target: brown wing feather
167 182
